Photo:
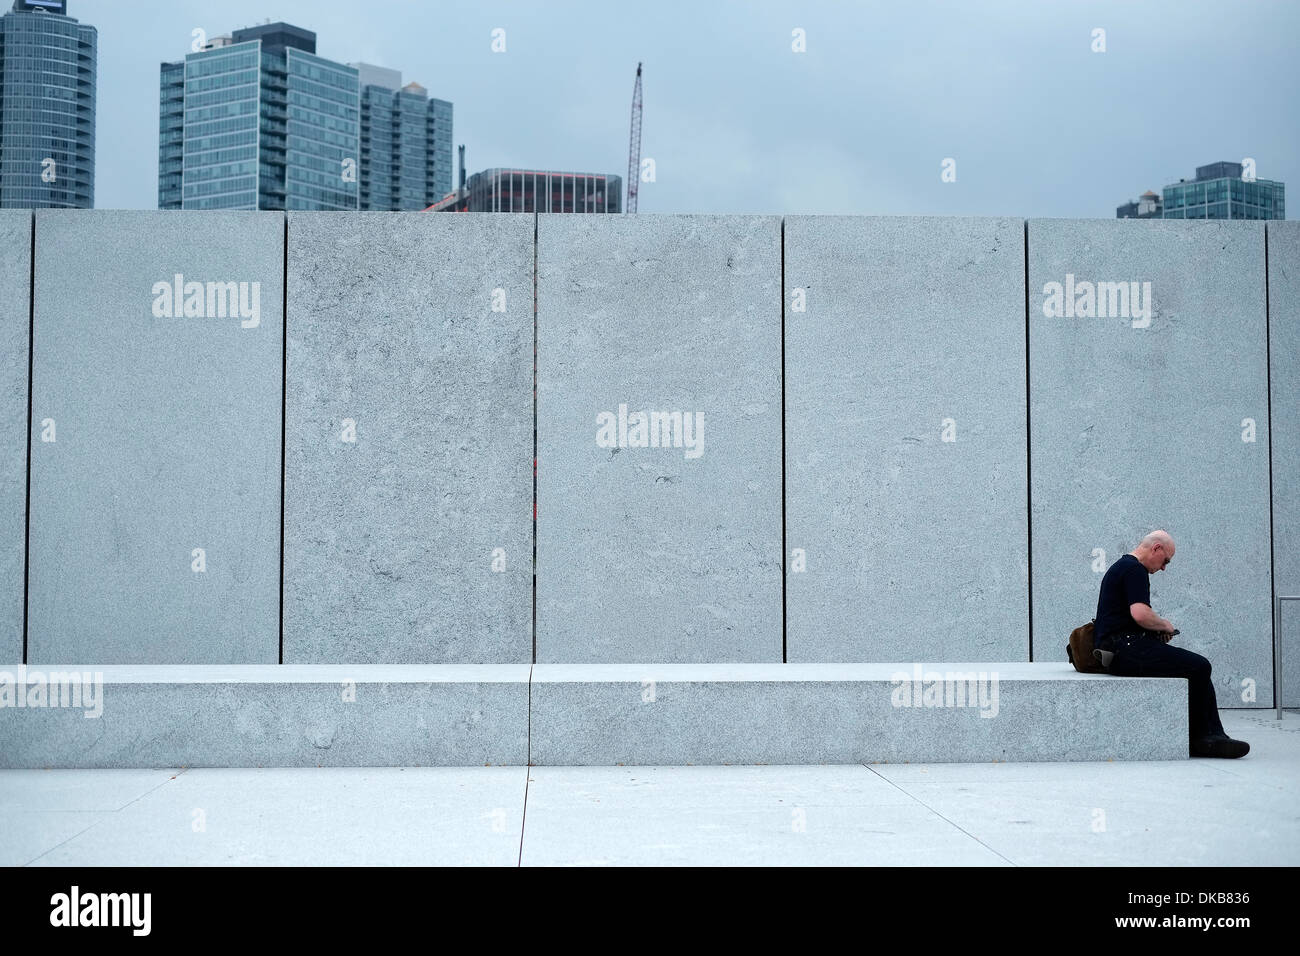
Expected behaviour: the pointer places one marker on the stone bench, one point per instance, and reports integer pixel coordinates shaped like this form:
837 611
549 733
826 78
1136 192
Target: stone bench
280 715
590 714
849 713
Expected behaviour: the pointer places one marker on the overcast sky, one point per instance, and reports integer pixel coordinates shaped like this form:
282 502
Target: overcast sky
860 123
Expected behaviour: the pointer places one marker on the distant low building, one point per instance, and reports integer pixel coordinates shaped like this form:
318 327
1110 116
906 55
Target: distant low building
1147 206
1219 192
529 190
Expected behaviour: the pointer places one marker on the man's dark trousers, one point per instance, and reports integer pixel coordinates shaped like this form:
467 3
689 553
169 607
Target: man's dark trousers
1143 655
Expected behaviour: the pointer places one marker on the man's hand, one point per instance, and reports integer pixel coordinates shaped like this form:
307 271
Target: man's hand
1168 635
1149 620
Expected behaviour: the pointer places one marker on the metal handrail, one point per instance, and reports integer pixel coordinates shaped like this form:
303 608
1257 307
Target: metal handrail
1277 649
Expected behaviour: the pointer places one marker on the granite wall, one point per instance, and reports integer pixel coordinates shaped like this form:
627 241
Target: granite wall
906 513
1284 359
157 388
15 318
659 438
820 438
408 439
1148 385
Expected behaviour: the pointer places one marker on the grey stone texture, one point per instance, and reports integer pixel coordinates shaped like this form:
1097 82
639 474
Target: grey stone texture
906 483
643 553
168 438
413 543
15 319
1134 428
672 714
365 715
1284 359
280 715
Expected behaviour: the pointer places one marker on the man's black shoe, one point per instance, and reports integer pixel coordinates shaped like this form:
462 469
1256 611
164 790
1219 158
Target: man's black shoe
1219 745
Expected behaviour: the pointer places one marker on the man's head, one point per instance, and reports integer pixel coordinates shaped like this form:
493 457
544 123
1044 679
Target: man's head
1155 551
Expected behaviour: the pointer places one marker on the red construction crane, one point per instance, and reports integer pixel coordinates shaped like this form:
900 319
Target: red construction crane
634 146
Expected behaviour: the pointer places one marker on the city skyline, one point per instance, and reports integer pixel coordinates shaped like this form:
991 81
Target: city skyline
736 121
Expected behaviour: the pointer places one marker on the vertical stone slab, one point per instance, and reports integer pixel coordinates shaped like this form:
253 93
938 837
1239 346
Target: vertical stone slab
906 480
156 437
409 439
15 322
668 552
1153 414
1284 358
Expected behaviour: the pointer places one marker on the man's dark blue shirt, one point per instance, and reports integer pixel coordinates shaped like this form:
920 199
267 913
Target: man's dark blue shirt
1125 582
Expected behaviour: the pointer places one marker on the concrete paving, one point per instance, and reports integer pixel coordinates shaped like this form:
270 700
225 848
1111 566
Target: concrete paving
1208 812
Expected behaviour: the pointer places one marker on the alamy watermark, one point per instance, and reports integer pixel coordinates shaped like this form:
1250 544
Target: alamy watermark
75 908
652 429
1103 300
33 688
949 689
208 300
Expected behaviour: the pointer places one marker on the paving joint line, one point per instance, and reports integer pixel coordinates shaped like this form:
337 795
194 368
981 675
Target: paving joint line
938 814
98 822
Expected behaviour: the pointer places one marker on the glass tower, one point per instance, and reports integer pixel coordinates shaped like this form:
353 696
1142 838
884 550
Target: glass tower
47 107
439 168
405 142
257 121
1219 192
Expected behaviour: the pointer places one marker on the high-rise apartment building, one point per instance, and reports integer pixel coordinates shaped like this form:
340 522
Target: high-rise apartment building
405 142
47 107
257 120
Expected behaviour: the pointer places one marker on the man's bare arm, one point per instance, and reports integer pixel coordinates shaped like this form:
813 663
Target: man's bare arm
1148 618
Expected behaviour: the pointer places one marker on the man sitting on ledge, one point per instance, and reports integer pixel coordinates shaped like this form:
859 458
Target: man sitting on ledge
1139 639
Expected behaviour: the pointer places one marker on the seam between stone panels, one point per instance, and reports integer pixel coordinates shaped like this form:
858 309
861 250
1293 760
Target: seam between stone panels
1029 490
534 570
1274 619
31 362
784 543
284 406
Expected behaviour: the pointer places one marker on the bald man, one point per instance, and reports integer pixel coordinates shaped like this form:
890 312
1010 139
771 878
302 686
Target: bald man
1139 639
